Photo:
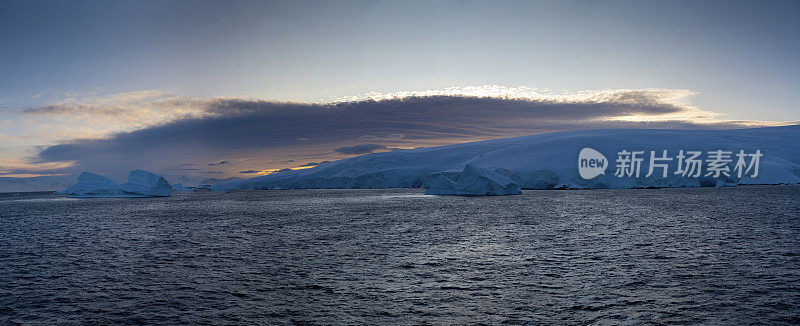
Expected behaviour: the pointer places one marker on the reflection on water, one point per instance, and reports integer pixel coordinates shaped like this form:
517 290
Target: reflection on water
725 256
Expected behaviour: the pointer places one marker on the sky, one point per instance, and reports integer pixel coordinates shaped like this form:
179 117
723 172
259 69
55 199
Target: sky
242 88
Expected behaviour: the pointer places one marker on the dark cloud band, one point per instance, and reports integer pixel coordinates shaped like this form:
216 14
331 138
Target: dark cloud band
360 149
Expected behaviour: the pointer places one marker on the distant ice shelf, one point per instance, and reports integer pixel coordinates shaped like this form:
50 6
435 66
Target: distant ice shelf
543 161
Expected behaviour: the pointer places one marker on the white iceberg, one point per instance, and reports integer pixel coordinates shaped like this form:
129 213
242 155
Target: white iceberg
140 184
475 181
549 161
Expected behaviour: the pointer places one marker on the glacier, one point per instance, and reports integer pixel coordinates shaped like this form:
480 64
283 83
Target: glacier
549 161
140 184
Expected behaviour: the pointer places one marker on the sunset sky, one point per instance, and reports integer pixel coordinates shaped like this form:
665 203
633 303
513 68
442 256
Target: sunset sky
242 88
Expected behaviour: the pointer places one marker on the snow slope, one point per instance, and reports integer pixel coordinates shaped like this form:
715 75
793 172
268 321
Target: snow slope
548 161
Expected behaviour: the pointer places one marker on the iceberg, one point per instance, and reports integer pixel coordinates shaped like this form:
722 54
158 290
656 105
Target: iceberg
475 181
140 184
146 183
90 184
550 161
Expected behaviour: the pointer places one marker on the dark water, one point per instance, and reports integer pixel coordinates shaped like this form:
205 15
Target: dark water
719 256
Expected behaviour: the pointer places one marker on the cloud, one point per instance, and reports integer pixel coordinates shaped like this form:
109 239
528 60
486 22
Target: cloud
265 171
219 163
261 133
64 108
99 115
387 137
313 163
359 149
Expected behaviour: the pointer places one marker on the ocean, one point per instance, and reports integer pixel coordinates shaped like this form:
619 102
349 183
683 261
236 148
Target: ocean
396 256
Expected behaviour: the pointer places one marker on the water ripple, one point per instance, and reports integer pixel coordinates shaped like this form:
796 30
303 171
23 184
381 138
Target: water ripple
719 256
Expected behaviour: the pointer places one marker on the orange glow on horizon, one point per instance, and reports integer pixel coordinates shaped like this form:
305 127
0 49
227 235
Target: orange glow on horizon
28 175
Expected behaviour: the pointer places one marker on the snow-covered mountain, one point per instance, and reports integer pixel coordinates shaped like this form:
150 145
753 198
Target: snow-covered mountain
547 161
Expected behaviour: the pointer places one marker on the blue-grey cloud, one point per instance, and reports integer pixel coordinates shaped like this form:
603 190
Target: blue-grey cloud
250 171
268 133
360 149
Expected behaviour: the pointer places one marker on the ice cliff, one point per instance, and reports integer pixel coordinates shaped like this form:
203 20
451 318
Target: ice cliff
474 181
140 184
550 161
